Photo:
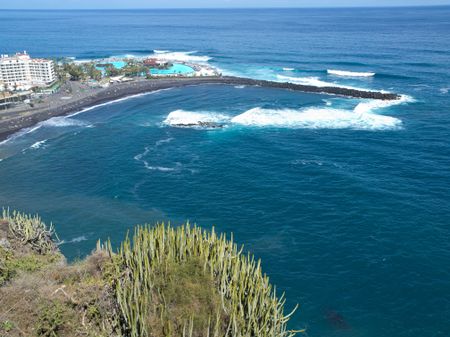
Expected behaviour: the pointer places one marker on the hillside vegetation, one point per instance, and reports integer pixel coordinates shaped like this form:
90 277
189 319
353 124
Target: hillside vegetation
162 282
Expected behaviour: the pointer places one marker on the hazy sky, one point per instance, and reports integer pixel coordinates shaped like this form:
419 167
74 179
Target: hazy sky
63 4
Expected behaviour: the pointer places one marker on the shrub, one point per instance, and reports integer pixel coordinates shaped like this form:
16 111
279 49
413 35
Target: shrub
51 319
30 230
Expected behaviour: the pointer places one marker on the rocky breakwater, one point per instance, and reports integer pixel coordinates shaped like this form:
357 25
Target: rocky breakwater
340 91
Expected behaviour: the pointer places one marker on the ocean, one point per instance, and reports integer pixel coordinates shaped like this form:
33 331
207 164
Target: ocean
346 201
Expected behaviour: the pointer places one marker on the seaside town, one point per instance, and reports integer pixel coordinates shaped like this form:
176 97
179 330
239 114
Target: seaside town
25 81
34 89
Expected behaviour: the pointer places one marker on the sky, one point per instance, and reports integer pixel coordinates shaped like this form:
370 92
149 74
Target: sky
113 4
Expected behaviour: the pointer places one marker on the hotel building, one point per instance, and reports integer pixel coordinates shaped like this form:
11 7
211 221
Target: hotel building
21 72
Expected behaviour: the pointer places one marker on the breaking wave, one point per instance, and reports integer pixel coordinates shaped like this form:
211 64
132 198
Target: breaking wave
52 122
38 145
183 117
63 122
158 51
314 81
369 106
181 56
317 118
59 121
345 73
361 117
117 101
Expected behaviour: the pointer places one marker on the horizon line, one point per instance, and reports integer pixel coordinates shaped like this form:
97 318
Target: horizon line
221 8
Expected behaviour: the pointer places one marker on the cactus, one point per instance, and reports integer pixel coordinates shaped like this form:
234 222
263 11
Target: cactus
249 301
30 230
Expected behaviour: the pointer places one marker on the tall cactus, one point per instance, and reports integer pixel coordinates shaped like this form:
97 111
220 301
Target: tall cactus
29 229
248 299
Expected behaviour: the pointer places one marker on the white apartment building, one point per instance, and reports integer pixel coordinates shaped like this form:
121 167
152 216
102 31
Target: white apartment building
23 72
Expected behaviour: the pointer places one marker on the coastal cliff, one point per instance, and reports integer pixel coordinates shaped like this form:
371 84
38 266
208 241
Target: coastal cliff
165 281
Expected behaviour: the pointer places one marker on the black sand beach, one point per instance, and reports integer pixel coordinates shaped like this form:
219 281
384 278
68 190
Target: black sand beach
81 97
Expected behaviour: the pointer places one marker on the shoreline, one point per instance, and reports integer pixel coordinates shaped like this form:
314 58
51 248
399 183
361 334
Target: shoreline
22 119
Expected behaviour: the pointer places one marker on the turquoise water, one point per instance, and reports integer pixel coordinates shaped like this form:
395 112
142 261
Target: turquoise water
116 64
346 201
176 68
119 64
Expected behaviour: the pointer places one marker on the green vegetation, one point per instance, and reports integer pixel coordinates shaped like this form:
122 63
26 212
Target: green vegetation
88 70
111 71
92 72
74 71
163 282
11 265
249 305
134 68
77 72
30 230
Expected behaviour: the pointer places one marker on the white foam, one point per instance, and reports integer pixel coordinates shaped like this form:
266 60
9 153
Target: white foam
316 118
74 240
345 73
163 141
239 86
25 131
20 133
369 106
63 122
140 157
183 117
158 168
38 145
52 122
288 69
78 239
314 81
150 148
362 117
307 162
159 51
444 90
181 56
116 101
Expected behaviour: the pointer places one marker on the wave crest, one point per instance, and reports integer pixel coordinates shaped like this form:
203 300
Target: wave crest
315 81
63 122
317 118
183 117
38 145
181 56
346 73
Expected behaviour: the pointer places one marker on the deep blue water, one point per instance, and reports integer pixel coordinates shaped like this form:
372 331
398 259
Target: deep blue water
347 205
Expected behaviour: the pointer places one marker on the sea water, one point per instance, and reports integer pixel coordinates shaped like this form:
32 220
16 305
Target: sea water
346 201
